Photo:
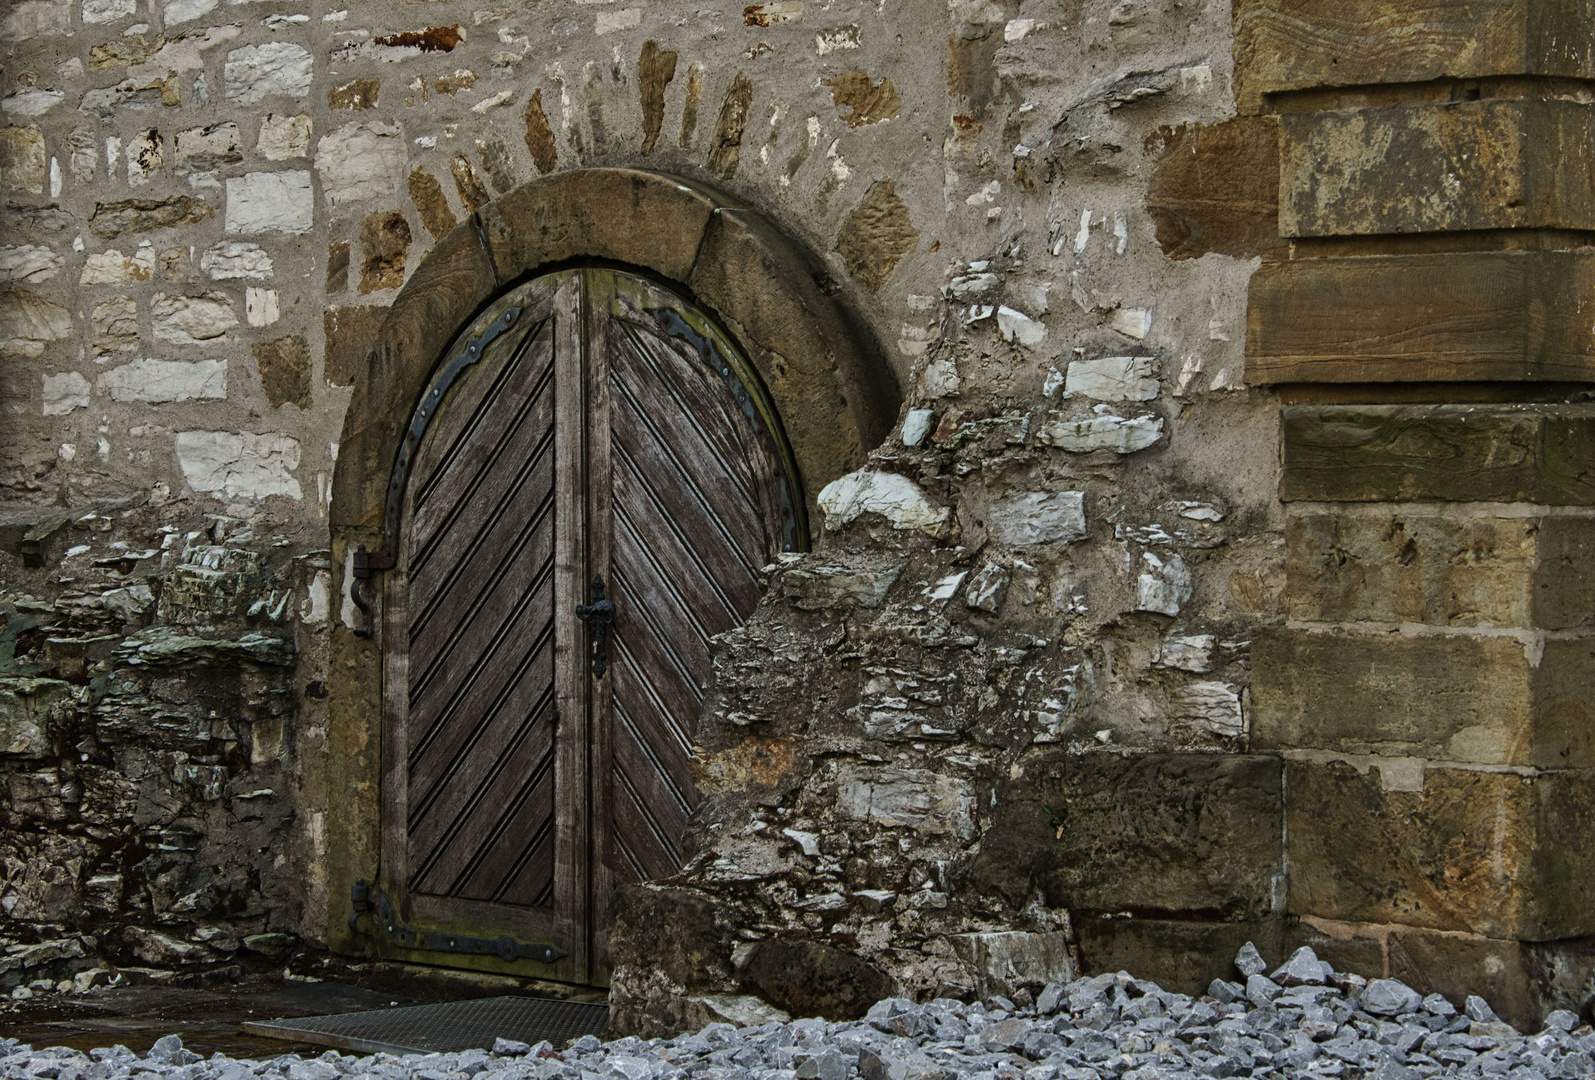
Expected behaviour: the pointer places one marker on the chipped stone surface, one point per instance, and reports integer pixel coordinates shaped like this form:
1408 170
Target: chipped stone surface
157 381
1113 378
1164 585
894 497
189 320
282 138
28 262
1037 517
113 219
914 798
114 325
272 69
1120 434
231 260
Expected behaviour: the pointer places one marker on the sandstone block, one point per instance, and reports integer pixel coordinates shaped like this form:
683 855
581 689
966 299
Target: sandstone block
1444 453
1482 852
1183 957
1506 316
114 325
1374 564
810 978
877 234
22 160
1443 697
349 333
284 366
1191 833
1522 981
1417 168
1216 189
270 202
1284 45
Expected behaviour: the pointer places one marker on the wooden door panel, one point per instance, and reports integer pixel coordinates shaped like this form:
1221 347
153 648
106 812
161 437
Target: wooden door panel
480 720
614 436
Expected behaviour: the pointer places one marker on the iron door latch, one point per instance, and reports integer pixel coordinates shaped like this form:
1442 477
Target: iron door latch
597 615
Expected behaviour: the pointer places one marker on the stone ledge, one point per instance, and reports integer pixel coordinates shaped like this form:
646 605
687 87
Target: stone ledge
1413 564
1445 697
1488 853
1445 453
1283 45
1502 316
1421 168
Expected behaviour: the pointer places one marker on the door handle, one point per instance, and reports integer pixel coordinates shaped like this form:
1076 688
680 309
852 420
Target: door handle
597 615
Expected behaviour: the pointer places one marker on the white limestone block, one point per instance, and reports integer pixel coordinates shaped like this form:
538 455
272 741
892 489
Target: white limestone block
160 381
1120 434
270 202
29 262
274 68
188 320
284 137
1113 378
64 392
1165 584
360 162
239 465
233 259
894 497
1037 517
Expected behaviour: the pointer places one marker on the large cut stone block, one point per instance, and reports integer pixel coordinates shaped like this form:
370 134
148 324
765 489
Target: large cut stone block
1216 189
1502 164
1483 700
1503 316
1181 956
1379 564
1283 45
1443 453
1490 853
1196 834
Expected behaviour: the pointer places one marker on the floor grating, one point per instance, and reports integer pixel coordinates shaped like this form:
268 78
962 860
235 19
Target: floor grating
444 1027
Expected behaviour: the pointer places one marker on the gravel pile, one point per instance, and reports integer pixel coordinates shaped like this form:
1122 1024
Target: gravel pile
1301 1020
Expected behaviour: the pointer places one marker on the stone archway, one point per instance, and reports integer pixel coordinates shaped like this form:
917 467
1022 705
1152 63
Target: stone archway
835 393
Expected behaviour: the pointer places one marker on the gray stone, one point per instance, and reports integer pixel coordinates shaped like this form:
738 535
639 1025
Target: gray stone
1248 961
1478 1010
1389 997
1435 1005
1261 990
916 798
1302 969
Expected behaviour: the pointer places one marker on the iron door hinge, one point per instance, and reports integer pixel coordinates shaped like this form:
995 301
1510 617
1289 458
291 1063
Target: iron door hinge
387 923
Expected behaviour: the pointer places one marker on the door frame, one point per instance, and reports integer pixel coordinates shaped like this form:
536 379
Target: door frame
835 392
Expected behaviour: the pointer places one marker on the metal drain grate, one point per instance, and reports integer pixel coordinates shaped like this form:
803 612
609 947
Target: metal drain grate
445 1027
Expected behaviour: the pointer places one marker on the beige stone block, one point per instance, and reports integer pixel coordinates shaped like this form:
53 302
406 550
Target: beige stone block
1483 700
1492 853
1502 164
1382 564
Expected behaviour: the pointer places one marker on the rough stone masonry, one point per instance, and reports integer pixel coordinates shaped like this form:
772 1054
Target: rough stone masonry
1215 583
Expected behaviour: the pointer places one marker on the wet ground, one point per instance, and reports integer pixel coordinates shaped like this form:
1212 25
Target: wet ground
209 1017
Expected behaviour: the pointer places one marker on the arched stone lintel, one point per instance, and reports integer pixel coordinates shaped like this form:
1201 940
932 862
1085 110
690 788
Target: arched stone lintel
836 394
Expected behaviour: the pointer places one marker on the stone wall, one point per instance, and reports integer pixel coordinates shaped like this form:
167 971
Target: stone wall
1035 702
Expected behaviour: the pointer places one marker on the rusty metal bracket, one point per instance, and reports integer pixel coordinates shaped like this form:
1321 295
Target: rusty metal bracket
387 923
366 564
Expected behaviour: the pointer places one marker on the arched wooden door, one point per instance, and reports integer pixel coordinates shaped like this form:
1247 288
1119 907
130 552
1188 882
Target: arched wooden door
594 480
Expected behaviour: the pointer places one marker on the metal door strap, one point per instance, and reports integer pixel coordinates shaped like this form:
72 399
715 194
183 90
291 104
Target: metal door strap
505 948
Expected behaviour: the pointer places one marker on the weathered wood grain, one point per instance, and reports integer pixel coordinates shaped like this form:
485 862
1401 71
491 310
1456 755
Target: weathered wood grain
1498 316
1503 164
1443 453
1283 45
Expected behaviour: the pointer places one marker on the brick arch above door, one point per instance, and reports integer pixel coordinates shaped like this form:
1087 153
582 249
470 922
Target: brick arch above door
836 393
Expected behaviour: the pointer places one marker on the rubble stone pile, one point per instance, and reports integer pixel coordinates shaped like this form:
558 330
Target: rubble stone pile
1301 1020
